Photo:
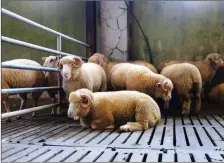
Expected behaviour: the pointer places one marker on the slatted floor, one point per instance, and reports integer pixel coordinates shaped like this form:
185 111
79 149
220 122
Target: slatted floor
58 139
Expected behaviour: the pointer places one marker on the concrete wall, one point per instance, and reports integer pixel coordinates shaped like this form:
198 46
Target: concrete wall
67 17
178 30
113 29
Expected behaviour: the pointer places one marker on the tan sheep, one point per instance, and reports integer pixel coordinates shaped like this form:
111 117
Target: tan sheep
77 74
129 110
207 67
126 76
186 78
51 79
107 64
217 93
17 78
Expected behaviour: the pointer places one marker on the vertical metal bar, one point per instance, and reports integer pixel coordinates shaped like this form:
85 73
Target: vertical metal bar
59 76
91 27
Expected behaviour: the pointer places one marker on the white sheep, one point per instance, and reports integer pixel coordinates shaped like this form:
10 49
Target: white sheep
17 78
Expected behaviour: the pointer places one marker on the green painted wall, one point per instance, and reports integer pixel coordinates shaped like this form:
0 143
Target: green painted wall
178 30
67 17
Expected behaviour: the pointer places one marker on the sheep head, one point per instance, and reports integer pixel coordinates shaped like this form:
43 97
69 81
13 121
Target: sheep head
215 60
51 61
164 89
99 59
79 103
70 66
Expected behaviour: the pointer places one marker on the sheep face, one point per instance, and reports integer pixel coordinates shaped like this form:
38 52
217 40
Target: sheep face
164 89
50 61
80 103
99 59
215 60
69 66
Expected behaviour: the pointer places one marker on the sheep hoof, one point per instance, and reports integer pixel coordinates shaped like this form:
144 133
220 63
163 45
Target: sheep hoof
33 115
18 117
185 112
125 128
52 112
8 120
58 111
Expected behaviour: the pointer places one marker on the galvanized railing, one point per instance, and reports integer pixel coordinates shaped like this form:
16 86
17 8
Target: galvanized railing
58 52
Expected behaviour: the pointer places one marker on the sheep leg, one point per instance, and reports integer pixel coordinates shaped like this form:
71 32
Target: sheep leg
186 103
23 98
84 123
53 101
101 124
6 104
132 126
35 97
198 103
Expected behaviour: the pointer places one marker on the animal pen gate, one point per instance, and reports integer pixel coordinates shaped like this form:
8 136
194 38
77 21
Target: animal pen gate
58 139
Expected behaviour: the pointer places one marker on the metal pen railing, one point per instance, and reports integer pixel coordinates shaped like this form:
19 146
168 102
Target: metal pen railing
58 52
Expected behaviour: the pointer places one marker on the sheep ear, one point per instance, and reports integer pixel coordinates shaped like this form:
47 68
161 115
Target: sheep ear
85 99
78 62
59 65
158 85
43 58
100 61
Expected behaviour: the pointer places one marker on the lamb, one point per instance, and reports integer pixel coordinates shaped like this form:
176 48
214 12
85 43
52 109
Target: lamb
52 80
77 74
217 93
107 64
17 78
129 110
186 78
126 76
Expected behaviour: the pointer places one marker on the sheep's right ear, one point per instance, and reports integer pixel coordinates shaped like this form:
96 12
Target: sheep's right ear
158 85
43 58
78 62
86 100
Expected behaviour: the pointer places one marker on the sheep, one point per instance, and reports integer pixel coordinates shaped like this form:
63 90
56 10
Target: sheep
139 78
217 93
107 64
166 63
77 74
129 110
17 78
186 78
207 67
52 80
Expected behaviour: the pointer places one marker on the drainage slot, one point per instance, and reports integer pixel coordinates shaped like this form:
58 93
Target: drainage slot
68 156
196 133
192 157
208 158
151 137
98 157
127 138
208 120
83 156
174 132
199 120
186 138
217 121
112 159
39 155
139 138
144 157
129 157
54 155
163 135
105 137
175 157
160 157
218 133
94 137
209 136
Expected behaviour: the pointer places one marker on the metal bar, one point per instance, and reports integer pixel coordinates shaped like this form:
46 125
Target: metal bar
33 46
25 20
59 76
26 111
5 65
91 27
27 90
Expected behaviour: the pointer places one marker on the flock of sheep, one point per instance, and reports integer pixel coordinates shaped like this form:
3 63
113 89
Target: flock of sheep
107 94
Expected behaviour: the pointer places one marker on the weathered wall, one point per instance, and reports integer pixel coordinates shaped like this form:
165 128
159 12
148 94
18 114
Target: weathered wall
113 29
178 30
67 17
